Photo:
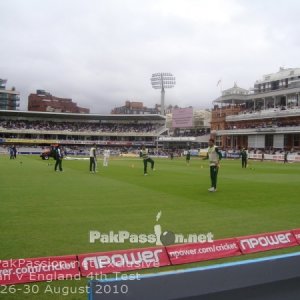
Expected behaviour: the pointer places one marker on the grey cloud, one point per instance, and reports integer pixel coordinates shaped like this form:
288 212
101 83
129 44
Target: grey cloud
101 53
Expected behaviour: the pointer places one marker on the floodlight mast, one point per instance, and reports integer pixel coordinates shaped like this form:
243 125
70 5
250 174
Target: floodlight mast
162 97
162 81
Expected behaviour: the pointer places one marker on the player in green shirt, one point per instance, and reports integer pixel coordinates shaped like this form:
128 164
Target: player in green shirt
188 156
144 155
244 156
214 156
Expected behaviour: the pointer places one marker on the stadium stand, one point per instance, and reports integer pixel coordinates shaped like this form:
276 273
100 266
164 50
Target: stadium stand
38 129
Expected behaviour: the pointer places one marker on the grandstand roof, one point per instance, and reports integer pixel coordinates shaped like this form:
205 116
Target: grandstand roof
50 115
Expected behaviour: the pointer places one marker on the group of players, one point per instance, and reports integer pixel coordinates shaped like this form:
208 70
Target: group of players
213 154
143 154
59 154
93 158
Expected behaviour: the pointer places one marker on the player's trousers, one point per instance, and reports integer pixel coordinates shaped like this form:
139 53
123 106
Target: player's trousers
213 176
151 161
105 161
58 164
92 164
244 163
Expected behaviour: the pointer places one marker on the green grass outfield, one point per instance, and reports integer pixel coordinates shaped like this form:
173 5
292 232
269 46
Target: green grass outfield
47 213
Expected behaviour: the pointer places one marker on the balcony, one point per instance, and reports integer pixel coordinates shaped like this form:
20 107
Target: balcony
265 114
266 130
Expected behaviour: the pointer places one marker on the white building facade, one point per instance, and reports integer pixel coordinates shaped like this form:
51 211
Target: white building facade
266 117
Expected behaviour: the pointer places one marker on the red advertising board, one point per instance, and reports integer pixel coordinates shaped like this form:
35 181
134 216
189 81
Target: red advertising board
38 269
122 260
266 241
188 253
296 233
27 270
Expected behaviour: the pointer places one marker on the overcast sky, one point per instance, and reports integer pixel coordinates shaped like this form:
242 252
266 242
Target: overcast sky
101 53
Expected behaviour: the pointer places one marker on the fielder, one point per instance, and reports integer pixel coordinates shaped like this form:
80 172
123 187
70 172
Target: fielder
144 155
214 156
93 159
106 155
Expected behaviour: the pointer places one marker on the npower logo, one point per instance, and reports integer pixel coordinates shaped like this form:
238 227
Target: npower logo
158 237
138 259
265 242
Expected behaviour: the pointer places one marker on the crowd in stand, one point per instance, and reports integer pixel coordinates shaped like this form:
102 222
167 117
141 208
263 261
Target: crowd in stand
268 109
78 126
95 127
270 124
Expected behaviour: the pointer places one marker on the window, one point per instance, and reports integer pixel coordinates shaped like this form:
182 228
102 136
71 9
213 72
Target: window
269 141
296 140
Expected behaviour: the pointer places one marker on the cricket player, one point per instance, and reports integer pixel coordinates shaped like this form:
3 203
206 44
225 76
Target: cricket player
58 157
144 155
93 159
244 156
106 155
214 156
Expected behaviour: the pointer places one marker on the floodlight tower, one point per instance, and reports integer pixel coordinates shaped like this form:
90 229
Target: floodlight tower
162 81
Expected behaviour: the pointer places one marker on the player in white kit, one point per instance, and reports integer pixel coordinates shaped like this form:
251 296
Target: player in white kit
106 155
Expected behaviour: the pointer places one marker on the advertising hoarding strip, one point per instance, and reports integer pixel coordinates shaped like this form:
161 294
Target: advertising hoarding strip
17 271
